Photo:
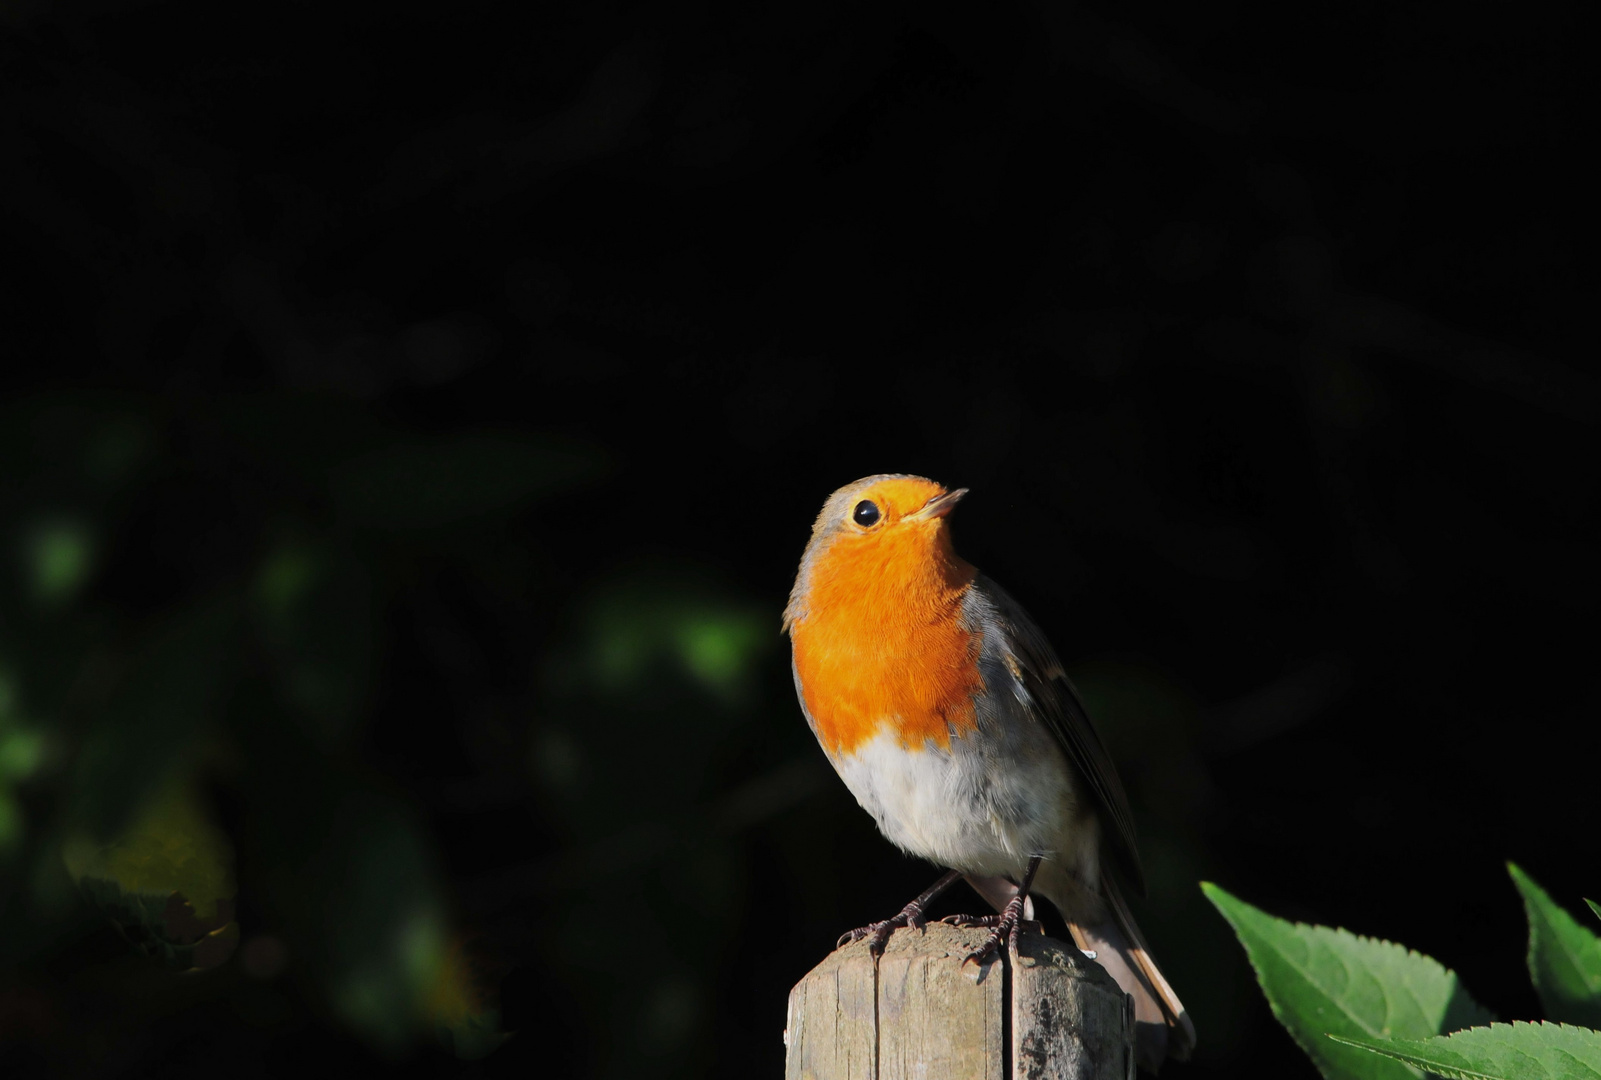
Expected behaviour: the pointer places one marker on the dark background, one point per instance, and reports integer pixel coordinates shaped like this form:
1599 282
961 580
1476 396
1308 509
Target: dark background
413 417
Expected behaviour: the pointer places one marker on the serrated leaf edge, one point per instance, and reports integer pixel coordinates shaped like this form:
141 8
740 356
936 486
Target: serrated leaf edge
1447 1071
1335 929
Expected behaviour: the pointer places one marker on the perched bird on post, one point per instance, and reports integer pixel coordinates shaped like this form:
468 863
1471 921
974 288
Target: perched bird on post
946 713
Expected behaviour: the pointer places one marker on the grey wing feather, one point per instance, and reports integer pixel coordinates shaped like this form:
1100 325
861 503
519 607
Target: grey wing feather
800 694
1059 706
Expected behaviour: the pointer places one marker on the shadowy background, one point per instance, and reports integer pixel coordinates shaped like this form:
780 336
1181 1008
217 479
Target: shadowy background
413 417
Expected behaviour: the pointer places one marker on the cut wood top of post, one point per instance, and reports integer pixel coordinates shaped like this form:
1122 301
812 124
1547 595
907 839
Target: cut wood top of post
924 1013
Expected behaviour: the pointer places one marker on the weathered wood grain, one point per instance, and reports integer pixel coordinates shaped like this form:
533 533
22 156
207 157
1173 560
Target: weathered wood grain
1070 1021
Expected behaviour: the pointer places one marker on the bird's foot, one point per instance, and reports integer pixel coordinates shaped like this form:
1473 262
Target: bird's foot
877 934
1006 926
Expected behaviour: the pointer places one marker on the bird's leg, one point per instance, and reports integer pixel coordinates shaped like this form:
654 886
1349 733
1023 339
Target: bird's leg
1007 924
911 916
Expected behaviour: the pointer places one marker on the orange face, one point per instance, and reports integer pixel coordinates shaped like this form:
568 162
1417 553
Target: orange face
875 618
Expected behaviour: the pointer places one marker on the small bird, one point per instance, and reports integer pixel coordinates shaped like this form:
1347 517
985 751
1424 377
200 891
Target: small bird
947 714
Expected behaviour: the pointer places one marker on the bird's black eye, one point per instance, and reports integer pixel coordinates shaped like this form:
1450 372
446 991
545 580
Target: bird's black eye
865 514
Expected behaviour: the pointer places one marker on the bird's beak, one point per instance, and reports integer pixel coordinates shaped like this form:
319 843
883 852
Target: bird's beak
939 505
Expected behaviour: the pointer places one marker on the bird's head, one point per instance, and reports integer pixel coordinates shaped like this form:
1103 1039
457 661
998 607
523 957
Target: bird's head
881 529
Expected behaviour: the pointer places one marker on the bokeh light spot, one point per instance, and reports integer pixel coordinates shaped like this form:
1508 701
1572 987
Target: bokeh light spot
284 579
60 555
718 648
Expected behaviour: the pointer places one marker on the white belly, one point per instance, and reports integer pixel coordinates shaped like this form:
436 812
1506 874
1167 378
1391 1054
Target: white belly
957 809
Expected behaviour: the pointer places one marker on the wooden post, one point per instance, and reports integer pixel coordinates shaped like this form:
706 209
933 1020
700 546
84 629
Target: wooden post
1047 1013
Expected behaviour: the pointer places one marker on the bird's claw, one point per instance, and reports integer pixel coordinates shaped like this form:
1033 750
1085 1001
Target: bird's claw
878 934
1007 925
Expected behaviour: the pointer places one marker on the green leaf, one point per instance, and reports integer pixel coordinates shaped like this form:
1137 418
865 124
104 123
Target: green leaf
1518 1051
1595 907
165 880
1320 980
1564 957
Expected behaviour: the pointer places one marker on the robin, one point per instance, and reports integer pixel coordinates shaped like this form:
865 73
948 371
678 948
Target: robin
947 714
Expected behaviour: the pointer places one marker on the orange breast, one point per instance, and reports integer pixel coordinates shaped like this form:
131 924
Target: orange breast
882 645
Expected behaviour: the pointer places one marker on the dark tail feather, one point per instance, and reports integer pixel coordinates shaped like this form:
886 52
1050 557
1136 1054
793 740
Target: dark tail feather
1162 1026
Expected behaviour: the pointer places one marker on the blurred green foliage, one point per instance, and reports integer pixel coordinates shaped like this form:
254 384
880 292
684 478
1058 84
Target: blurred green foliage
22 750
204 656
634 627
163 655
